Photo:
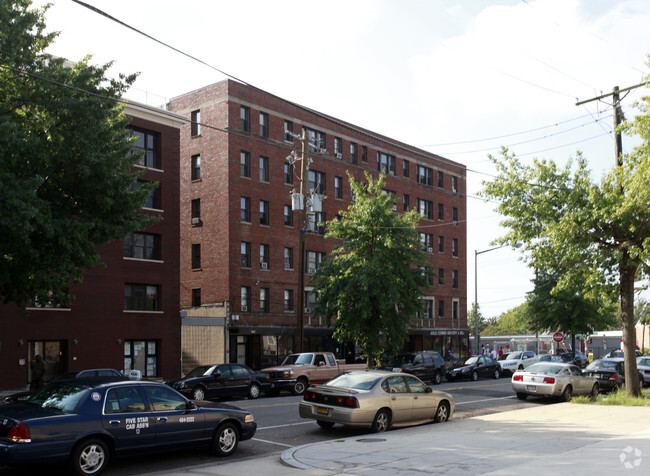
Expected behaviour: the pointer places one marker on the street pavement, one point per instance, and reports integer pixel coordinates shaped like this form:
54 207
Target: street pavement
561 438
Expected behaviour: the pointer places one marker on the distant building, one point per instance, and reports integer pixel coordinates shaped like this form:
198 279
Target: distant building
240 235
125 315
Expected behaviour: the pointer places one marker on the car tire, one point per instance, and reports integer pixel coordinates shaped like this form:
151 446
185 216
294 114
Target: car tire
595 390
567 394
442 413
437 378
496 374
325 425
299 387
522 396
253 391
90 457
225 440
474 376
381 422
198 394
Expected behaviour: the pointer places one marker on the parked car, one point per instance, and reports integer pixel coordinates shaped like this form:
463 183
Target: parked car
550 358
518 360
553 379
475 367
86 422
426 365
222 381
643 366
619 354
14 397
609 372
376 399
576 358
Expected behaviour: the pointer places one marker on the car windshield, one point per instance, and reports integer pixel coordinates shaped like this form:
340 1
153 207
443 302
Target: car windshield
503 357
200 371
471 360
603 365
61 396
358 381
545 368
514 356
298 359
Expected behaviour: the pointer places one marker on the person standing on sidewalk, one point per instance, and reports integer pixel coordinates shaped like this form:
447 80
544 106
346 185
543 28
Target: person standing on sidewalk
39 367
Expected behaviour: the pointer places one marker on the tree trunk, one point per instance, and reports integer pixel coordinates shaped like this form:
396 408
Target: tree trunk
628 270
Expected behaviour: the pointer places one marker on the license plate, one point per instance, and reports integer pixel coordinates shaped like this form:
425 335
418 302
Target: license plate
322 411
531 388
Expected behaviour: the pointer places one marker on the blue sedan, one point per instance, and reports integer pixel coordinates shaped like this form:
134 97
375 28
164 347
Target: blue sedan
86 422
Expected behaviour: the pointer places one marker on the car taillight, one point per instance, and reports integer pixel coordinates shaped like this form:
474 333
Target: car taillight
310 396
518 378
613 377
19 433
549 379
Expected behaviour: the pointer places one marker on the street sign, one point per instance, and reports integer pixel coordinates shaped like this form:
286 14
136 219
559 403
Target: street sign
558 337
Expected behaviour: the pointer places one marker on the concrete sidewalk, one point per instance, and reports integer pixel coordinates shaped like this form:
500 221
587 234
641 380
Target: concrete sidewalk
548 439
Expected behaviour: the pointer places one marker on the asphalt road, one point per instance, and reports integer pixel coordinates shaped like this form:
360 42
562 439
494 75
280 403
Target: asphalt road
280 427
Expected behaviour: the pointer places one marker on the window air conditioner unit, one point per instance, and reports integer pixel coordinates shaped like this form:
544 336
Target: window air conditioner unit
455 222
339 155
430 250
394 208
244 309
264 265
390 172
196 221
308 309
311 270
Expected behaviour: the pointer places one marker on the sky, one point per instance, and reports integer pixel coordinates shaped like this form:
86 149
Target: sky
458 78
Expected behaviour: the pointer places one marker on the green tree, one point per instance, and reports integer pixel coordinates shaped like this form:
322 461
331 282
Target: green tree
66 180
370 286
599 231
515 321
471 319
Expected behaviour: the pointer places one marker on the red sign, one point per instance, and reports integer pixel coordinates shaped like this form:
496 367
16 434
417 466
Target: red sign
558 337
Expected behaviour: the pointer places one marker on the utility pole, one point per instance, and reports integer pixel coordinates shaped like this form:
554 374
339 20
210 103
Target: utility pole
300 332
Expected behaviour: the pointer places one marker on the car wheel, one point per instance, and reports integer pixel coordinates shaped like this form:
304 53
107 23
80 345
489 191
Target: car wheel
442 413
381 422
594 390
253 391
474 376
522 396
496 374
225 440
437 378
90 457
325 425
567 394
198 394
299 387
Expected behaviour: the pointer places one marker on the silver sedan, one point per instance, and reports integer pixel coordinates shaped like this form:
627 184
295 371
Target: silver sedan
375 399
551 379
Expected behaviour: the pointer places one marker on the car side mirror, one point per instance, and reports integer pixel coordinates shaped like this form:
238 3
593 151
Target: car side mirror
216 375
428 390
191 405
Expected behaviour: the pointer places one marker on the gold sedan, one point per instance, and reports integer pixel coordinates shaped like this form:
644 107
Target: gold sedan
376 399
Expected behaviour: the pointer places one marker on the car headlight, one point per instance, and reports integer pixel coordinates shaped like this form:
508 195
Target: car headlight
465 370
249 418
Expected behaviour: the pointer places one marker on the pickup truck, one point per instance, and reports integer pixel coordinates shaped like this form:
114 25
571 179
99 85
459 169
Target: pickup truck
298 371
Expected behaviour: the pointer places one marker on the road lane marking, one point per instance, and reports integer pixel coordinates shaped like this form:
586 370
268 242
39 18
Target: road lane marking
272 442
288 424
484 400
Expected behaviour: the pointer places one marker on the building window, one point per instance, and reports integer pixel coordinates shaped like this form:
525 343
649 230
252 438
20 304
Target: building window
264 212
245 119
245 254
441 308
141 297
264 299
316 181
425 175
454 279
429 309
441 244
406 202
196 167
264 124
288 300
455 309
441 276
153 201
353 152
196 297
245 164
338 187
141 355
317 141
245 205
288 258
142 246
288 131
196 256
288 215
245 298
441 180
264 256
264 169
338 147
454 247
314 260
441 211
405 167
316 223
425 208
454 215
364 153
310 300
426 240
288 173
195 117
386 163
146 143
196 212
454 184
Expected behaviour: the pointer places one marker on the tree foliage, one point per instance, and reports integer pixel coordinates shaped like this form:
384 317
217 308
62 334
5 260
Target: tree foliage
370 286
592 237
66 180
515 321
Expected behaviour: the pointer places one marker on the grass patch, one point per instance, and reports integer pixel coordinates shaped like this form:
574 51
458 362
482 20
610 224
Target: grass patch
618 397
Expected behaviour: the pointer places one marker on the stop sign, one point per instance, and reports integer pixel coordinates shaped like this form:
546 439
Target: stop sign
558 337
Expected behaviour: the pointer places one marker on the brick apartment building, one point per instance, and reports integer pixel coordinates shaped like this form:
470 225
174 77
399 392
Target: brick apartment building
240 237
125 315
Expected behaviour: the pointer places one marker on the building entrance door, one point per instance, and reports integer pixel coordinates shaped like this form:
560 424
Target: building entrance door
53 353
